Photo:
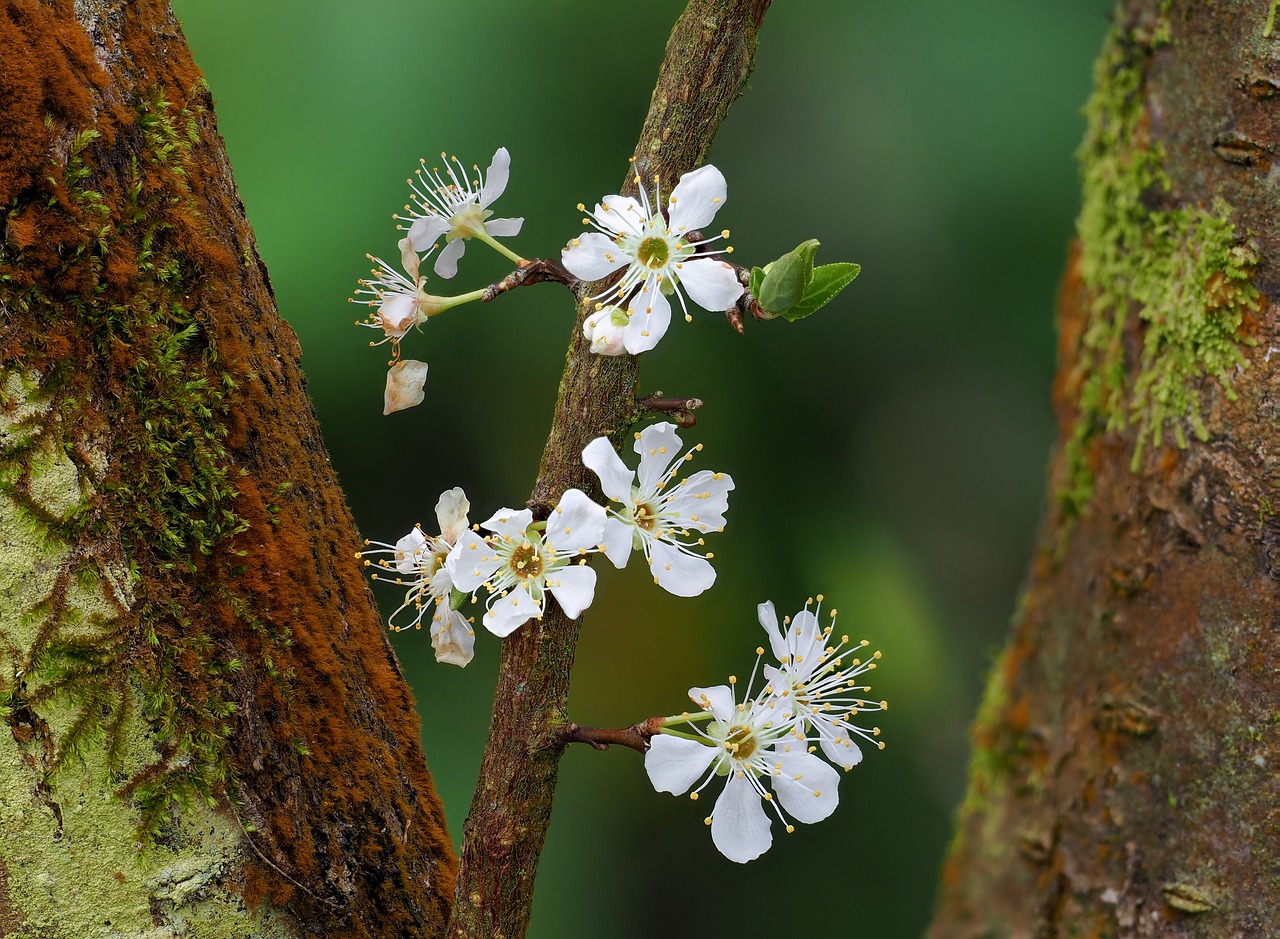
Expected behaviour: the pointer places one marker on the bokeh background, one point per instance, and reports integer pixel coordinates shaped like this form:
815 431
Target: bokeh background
889 452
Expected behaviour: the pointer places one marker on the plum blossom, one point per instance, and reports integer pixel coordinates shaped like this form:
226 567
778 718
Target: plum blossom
606 330
523 560
651 241
402 301
417 561
745 743
814 681
658 516
457 207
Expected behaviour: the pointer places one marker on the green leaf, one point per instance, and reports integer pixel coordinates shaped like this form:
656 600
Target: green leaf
826 283
757 278
787 279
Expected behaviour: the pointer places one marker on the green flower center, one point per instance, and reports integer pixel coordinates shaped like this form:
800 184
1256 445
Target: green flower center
740 743
653 253
526 562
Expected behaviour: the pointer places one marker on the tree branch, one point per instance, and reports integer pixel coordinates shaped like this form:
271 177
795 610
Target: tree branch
708 58
601 738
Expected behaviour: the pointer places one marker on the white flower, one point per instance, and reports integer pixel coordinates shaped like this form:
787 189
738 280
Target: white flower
815 681
606 330
406 380
651 241
419 562
657 517
458 208
401 301
744 743
520 563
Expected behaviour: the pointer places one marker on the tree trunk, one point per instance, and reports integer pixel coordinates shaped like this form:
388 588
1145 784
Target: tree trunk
208 733
1124 771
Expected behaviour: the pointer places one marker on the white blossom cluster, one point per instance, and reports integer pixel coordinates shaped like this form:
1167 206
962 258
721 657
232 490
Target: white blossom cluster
810 702
765 747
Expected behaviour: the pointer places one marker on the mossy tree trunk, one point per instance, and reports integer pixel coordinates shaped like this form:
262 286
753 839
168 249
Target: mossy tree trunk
1124 772
205 731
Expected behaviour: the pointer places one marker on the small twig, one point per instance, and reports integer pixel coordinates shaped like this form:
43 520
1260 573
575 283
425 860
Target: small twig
601 738
680 410
533 272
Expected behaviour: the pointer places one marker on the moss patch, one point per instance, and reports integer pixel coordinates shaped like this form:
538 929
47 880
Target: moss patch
1176 276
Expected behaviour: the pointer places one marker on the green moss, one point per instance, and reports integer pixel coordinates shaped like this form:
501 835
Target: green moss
1182 271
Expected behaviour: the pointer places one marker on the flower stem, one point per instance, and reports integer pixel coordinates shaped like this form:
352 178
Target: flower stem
500 248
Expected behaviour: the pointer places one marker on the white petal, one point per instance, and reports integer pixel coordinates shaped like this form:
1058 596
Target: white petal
592 256
659 446
574 588
618 541
769 620
503 227
509 613
739 825
606 336
697 198
451 513
650 317
407 549
408 257
620 214
452 637
709 282
447 260
718 700
425 231
680 574
840 747
509 522
674 763
397 313
805 642
814 796
471 562
575 523
615 479
405 381
495 180
704 496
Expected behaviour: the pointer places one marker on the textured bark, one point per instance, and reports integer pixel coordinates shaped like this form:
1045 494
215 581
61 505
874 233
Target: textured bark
1124 771
182 618
708 58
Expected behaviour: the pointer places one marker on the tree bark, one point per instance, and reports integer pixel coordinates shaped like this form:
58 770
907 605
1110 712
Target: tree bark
1124 771
206 729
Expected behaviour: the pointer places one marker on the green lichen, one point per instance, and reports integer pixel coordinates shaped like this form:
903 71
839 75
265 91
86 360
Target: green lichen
1182 271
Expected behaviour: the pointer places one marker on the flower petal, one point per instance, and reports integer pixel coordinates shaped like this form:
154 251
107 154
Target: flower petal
503 227
717 699
606 336
509 613
447 260
618 541
680 574
739 825
769 620
425 231
697 198
405 381
509 522
471 562
495 180
659 447
451 513
674 763
813 795
397 313
408 257
408 551
452 636
615 479
620 214
650 317
701 500
838 744
592 256
804 642
575 523
709 282
574 587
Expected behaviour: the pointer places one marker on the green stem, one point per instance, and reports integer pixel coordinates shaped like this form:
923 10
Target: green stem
500 248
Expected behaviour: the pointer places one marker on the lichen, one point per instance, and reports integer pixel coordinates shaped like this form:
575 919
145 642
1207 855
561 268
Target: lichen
1177 274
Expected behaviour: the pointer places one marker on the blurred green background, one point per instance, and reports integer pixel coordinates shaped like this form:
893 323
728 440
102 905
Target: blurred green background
889 452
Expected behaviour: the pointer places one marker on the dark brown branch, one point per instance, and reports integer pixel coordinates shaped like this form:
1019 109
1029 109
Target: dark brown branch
709 56
680 410
601 738
533 272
